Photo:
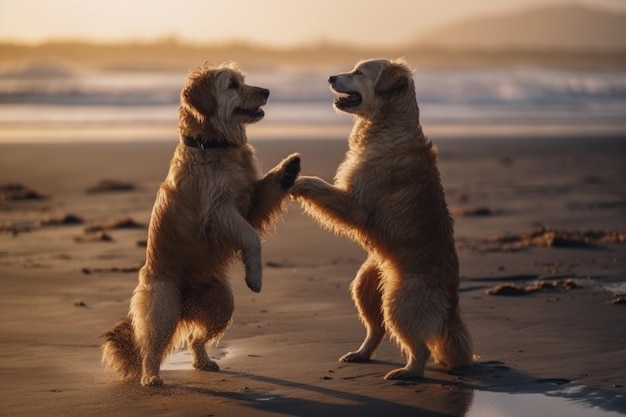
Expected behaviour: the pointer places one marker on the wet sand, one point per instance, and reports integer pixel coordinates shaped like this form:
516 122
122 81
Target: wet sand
62 287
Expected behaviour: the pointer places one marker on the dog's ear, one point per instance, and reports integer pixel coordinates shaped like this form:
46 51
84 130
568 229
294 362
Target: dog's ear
392 76
198 99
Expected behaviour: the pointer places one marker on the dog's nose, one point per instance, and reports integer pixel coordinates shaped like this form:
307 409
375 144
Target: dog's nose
332 79
265 93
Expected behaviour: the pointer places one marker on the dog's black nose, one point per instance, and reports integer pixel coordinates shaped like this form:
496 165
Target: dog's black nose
265 93
332 79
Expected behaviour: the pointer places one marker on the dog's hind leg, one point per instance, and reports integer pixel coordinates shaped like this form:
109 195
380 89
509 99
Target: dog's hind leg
366 294
208 310
201 360
415 312
155 312
417 356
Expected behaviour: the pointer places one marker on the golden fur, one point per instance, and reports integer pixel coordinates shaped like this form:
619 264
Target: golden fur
211 206
388 197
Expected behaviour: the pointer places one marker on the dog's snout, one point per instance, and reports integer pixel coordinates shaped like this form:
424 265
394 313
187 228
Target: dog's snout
265 93
332 79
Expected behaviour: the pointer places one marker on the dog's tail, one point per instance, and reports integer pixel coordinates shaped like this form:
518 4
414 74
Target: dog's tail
454 348
120 353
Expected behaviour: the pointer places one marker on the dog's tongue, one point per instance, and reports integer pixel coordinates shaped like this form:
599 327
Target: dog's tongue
254 112
346 95
348 99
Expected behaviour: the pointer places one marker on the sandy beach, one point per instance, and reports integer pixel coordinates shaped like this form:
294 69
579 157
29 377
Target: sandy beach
540 228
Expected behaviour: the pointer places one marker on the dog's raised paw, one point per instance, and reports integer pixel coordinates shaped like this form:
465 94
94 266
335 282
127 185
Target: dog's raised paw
290 171
254 283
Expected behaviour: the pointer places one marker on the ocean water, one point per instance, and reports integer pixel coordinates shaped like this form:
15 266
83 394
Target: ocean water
49 95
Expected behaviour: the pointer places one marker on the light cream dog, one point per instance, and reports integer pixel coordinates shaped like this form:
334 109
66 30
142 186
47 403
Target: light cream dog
211 206
388 197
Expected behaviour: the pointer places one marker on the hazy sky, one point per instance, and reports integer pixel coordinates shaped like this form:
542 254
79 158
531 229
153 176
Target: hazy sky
271 22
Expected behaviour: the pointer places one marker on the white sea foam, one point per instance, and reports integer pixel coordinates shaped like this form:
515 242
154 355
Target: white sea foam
35 95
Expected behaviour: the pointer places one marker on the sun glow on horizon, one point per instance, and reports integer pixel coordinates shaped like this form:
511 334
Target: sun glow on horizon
271 22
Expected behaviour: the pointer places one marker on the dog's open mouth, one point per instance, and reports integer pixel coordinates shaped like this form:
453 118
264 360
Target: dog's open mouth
255 112
347 99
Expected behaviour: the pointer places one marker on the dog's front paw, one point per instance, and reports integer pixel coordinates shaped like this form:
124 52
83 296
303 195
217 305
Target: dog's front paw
303 186
290 168
254 281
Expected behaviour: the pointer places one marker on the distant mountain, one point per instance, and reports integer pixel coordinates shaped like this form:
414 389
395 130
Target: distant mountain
569 27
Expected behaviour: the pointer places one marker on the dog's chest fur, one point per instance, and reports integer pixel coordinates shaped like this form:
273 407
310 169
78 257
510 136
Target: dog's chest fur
220 177
367 170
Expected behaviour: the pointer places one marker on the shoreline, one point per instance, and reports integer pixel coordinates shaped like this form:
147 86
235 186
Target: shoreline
166 132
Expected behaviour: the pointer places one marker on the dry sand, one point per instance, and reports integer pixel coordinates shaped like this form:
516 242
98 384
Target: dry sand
558 351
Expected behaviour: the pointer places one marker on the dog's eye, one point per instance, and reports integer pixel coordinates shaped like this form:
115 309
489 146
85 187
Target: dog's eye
233 84
357 72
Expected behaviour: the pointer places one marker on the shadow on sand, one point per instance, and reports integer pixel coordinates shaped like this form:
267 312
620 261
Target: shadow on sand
439 394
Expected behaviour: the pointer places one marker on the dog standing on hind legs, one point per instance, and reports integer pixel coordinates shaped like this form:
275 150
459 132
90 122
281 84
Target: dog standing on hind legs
212 205
388 197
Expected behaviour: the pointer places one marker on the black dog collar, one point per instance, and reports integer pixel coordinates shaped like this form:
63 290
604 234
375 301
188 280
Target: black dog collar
199 143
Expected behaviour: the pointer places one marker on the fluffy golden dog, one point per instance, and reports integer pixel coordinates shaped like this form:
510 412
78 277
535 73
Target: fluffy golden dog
388 197
211 207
